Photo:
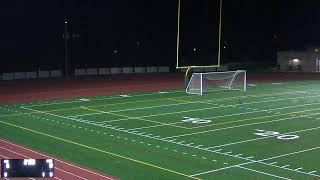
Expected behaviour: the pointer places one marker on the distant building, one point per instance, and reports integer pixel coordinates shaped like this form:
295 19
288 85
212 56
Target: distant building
306 61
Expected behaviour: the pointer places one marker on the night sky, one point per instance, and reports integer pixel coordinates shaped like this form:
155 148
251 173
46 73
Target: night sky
143 32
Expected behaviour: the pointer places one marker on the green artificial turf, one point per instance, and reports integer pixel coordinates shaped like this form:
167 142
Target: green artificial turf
269 132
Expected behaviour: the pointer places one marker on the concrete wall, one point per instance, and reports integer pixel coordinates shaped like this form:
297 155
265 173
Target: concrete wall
31 75
83 72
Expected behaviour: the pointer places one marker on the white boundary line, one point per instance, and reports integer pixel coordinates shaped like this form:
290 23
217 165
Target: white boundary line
264 110
101 99
58 160
196 102
157 93
172 141
264 173
179 112
168 91
255 139
213 130
243 125
268 164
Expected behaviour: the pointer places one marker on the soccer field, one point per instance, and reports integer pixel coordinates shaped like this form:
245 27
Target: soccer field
269 132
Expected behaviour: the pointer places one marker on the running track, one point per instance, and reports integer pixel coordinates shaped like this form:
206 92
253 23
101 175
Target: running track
63 170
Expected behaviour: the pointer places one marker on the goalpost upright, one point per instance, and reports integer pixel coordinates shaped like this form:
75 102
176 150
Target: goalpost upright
178 66
201 82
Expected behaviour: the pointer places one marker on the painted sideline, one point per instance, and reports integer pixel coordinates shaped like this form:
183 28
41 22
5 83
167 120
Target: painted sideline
98 150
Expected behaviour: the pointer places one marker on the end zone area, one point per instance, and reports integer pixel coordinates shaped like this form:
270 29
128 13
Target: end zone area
270 132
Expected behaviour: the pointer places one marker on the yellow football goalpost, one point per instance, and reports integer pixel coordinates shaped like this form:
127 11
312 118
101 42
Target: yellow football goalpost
188 68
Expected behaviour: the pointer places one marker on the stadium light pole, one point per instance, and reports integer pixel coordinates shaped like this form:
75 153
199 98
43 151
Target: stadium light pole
66 46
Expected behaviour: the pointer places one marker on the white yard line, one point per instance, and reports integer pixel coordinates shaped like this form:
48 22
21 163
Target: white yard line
88 122
186 111
147 94
199 148
264 110
217 100
243 125
255 139
194 102
273 109
100 99
196 147
133 109
232 127
160 125
268 164
264 173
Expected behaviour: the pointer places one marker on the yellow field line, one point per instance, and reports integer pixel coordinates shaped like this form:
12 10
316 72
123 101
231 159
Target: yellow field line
131 102
179 100
138 118
243 120
261 117
98 150
28 113
19 114
74 108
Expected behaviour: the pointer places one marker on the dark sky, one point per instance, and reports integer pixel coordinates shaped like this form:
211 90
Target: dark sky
32 30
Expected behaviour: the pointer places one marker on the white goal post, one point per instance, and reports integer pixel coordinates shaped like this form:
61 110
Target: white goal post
215 81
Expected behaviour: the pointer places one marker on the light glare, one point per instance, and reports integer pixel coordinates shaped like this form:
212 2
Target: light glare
50 165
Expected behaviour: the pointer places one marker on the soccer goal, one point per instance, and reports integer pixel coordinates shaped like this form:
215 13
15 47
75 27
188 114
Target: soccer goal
215 81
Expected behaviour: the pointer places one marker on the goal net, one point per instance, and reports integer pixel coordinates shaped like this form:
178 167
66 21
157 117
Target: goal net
215 81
